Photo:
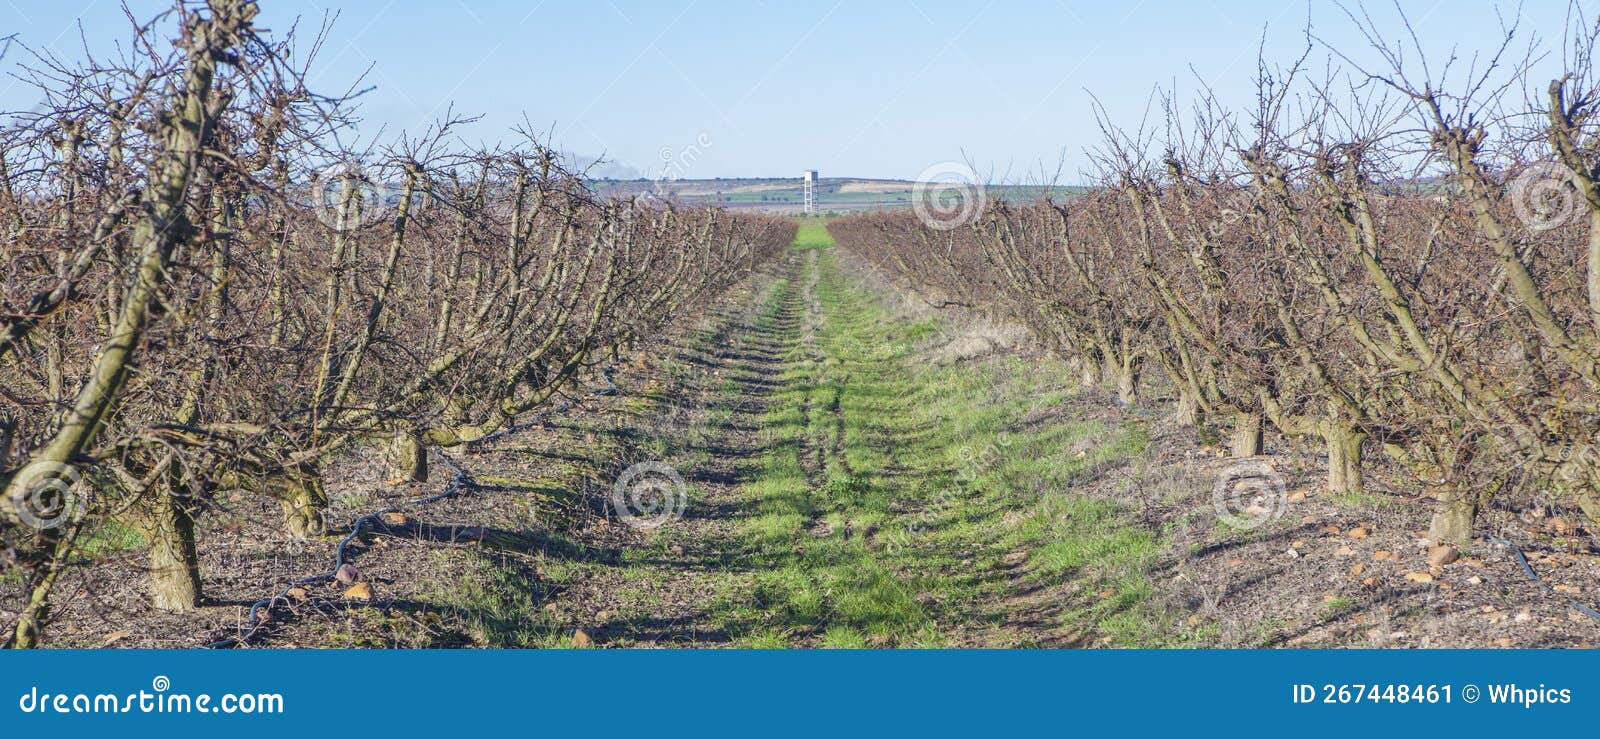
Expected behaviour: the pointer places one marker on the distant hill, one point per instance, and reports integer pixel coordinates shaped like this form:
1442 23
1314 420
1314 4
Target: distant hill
785 195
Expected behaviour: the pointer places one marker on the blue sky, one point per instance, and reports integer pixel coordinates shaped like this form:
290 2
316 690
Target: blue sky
760 87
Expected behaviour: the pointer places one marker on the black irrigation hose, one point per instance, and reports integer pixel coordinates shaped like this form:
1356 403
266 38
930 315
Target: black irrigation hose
462 480
459 482
1534 576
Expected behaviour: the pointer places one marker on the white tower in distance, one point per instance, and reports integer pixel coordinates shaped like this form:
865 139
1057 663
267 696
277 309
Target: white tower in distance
810 180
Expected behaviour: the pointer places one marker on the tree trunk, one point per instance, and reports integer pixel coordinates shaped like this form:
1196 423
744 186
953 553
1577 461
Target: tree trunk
1188 413
408 456
1128 383
1344 458
1589 503
304 500
180 137
1088 371
1246 439
1580 474
1453 522
168 524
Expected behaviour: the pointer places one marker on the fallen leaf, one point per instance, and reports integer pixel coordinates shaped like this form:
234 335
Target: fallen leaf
580 638
1360 532
359 591
1358 569
1442 555
1419 577
114 637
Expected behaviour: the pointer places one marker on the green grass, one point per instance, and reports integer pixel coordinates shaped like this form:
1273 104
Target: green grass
812 236
1363 500
895 502
894 491
110 536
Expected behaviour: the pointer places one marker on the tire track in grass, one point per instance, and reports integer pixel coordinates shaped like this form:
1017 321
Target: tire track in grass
822 584
828 509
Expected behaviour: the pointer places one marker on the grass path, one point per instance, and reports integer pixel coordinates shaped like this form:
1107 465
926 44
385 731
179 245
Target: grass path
849 491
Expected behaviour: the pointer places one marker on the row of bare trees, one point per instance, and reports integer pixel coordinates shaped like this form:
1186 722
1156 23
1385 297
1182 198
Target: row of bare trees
203 294
1410 266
